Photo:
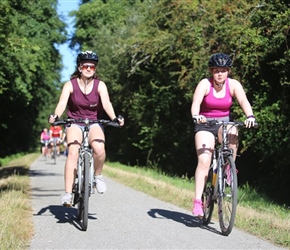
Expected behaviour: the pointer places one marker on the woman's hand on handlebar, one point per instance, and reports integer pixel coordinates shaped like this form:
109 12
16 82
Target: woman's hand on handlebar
198 118
120 120
52 118
250 121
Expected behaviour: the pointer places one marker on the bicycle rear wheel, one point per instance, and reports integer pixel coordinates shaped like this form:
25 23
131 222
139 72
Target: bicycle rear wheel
208 203
228 196
84 200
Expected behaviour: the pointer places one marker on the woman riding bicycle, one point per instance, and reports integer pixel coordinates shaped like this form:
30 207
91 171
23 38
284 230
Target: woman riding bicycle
212 100
44 140
55 139
86 96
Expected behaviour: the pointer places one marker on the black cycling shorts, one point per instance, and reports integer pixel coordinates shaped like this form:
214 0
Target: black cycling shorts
210 128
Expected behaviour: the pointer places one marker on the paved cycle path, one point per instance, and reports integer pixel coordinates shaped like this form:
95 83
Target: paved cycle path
122 218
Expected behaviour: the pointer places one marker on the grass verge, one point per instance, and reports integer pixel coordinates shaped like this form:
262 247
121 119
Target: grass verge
16 225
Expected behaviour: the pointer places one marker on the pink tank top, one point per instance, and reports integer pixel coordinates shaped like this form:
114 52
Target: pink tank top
81 106
45 136
213 107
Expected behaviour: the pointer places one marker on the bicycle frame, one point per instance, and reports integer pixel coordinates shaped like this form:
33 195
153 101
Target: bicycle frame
85 148
219 153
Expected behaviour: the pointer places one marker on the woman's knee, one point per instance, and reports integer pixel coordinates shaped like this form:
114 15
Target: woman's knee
73 152
203 165
233 139
99 148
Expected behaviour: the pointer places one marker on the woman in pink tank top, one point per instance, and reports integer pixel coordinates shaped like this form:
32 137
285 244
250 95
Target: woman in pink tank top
212 100
86 97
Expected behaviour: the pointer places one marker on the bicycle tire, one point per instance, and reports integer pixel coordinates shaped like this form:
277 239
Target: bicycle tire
228 196
85 192
75 193
54 154
79 188
208 203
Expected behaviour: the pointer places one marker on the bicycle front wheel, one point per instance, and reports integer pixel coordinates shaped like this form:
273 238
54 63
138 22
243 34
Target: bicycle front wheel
208 203
84 211
228 196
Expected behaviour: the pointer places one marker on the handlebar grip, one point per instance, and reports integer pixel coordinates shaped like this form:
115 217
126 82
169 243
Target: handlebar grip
113 124
62 122
255 125
56 123
194 120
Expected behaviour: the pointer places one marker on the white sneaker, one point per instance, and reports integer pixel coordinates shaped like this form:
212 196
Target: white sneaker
100 184
66 199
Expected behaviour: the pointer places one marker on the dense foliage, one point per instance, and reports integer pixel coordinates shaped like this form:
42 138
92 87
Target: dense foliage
152 55
30 70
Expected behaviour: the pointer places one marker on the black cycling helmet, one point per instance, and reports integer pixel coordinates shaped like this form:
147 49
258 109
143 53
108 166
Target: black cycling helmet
87 55
220 60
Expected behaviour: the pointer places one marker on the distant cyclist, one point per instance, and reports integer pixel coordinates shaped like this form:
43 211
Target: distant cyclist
55 137
86 96
44 140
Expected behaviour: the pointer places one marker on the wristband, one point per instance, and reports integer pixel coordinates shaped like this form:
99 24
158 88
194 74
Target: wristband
250 116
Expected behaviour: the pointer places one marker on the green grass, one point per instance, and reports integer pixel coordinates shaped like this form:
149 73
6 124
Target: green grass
6 160
16 224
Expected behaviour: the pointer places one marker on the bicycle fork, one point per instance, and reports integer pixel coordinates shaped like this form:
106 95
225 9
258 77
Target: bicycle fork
80 176
92 174
215 171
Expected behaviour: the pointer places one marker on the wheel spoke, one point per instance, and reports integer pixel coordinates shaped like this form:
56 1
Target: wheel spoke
208 203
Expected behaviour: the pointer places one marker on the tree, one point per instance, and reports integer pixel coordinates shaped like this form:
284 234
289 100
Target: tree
30 70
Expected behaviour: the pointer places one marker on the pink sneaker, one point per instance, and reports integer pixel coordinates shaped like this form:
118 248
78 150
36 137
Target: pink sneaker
197 208
228 173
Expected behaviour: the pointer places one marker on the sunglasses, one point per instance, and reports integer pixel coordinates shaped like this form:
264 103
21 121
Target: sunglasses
86 66
216 71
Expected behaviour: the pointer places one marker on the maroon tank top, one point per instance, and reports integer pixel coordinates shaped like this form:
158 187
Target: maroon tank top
81 106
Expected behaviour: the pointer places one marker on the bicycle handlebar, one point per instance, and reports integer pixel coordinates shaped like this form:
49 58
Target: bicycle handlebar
234 123
87 121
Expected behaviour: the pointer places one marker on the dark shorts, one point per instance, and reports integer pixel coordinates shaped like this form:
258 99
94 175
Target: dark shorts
210 128
44 143
82 127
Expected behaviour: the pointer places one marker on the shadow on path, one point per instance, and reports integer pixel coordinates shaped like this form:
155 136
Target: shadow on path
42 173
5 172
63 215
187 220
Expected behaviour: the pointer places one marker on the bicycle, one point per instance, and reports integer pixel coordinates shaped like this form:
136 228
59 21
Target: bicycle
84 184
221 186
54 151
